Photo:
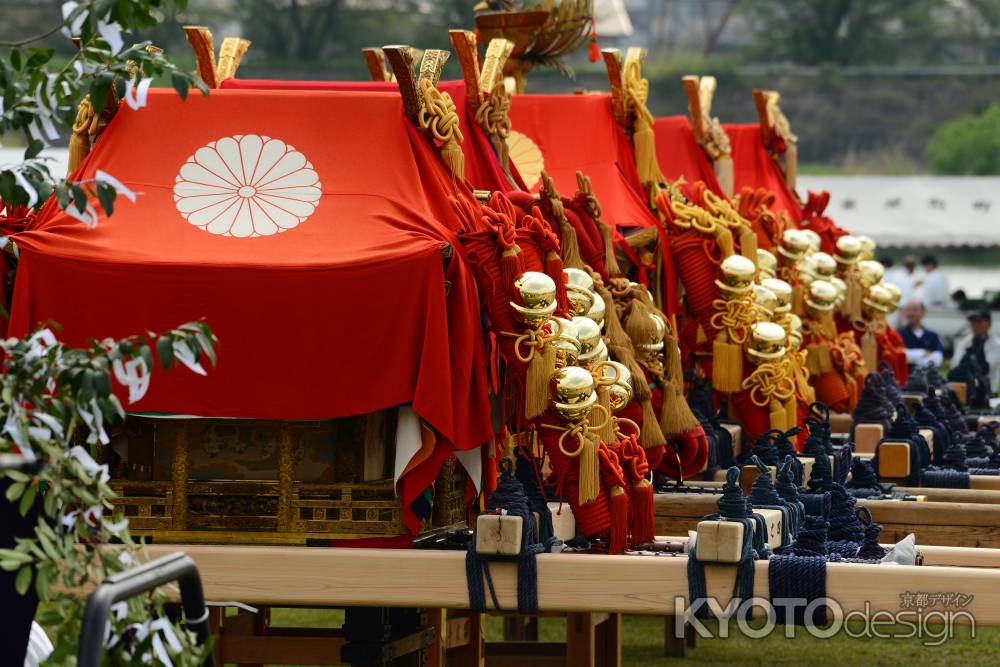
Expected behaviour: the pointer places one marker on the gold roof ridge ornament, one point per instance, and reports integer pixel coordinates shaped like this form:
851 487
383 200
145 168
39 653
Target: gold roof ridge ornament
428 108
213 72
375 60
776 133
540 35
484 87
708 130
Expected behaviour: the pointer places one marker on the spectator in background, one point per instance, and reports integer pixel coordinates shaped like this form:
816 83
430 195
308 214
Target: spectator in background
923 347
934 289
985 347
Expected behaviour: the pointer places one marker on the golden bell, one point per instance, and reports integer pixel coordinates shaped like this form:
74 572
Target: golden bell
826 265
767 263
822 297
867 247
897 295
597 311
765 302
737 273
538 297
572 390
783 293
588 333
841 287
595 356
581 300
877 300
870 272
565 342
794 245
815 242
794 326
579 278
621 390
848 250
767 341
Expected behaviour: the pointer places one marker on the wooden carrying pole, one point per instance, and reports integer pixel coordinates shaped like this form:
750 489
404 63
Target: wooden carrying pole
301 576
708 131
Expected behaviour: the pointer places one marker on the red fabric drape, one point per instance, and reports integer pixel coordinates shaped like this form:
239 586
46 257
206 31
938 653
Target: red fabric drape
680 156
343 314
482 166
579 133
754 168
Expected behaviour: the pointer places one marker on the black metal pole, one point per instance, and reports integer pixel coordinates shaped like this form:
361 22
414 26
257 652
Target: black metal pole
173 567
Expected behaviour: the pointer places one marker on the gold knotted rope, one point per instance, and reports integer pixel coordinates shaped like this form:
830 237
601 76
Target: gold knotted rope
439 117
769 382
84 127
736 317
492 116
687 216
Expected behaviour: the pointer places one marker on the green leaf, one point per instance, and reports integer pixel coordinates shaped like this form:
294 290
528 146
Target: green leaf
17 475
33 149
15 556
165 350
14 491
42 587
106 195
15 59
79 198
28 499
180 83
23 580
62 194
50 505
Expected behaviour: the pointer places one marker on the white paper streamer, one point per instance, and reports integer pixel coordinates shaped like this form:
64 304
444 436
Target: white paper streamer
186 357
89 216
135 96
74 28
133 374
104 177
26 186
112 34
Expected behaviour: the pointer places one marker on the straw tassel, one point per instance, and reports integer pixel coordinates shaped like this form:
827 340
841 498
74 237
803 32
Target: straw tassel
799 299
571 257
541 368
855 293
778 416
607 431
590 473
454 158
639 323
748 245
645 154
818 359
869 351
727 364
610 258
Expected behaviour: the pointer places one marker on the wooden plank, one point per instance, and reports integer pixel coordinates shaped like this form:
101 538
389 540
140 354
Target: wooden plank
473 652
280 650
434 653
977 496
293 576
673 646
608 643
959 556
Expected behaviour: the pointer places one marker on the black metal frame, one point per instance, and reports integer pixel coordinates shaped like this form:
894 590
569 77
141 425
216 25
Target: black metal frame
173 567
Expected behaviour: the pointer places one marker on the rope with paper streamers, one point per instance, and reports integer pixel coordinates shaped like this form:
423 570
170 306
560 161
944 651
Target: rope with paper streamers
439 117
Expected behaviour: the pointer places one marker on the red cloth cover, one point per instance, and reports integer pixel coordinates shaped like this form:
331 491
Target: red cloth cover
754 168
343 314
579 133
679 154
482 166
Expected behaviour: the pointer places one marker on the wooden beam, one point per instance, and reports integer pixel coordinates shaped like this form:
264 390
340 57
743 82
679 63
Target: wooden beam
375 60
294 576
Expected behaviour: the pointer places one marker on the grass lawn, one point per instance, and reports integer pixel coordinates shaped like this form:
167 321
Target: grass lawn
642 645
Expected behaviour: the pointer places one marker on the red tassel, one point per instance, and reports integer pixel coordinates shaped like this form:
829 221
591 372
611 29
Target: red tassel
510 268
641 512
595 49
554 269
618 540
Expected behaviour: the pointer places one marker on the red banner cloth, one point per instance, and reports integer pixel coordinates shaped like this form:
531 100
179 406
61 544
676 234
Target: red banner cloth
483 170
341 312
754 168
579 133
679 154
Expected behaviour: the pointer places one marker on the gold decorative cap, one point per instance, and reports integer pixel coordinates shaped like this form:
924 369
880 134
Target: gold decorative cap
581 300
794 244
537 292
794 329
621 390
848 250
868 247
565 341
572 390
878 299
782 291
767 341
765 301
579 278
588 333
870 272
822 296
597 311
815 242
767 263
736 274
